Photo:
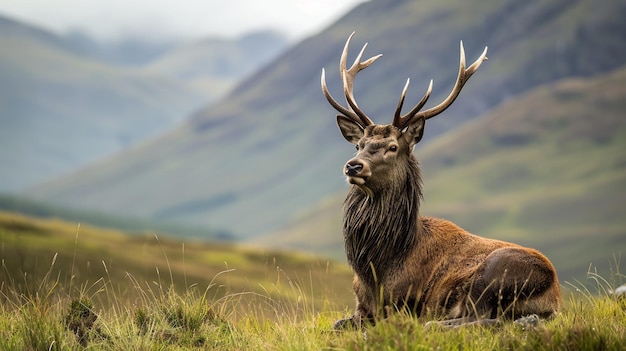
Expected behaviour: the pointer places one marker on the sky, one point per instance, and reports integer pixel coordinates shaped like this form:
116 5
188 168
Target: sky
180 19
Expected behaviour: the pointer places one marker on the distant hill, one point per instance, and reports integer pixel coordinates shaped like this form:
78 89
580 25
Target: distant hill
59 111
125 51
271 148
67 101
547 169
211 65
215 65
16 204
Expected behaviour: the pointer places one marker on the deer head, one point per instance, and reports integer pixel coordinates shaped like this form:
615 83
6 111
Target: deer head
384 151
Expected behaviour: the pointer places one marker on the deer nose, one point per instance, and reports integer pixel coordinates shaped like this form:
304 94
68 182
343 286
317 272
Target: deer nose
353 168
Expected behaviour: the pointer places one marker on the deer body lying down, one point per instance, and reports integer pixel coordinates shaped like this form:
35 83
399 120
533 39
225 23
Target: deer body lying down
429 266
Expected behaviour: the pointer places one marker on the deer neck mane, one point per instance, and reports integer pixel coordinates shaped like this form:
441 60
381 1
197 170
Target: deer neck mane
380 228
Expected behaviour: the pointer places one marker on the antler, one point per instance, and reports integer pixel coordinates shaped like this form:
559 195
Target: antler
347 76
464 74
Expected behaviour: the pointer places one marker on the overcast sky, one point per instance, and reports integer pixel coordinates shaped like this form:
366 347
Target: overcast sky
110 19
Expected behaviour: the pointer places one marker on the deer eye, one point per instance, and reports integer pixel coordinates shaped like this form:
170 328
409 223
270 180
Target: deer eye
393 148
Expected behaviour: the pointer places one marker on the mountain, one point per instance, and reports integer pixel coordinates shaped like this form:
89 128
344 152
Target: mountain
59 110
546 169
271 149
67 101
211 65
215 65
125 51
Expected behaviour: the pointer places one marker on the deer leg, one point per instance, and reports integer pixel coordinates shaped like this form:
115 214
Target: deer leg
362 315
463 322
505 288
517 283
529 322
364 312
356 321
346 324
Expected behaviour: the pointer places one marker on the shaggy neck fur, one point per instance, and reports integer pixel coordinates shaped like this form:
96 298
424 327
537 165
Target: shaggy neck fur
379 229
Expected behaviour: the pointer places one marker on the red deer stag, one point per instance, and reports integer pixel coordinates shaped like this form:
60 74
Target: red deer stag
428 266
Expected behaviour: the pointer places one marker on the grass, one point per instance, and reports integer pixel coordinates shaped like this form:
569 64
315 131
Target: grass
90 261
62 307
163 319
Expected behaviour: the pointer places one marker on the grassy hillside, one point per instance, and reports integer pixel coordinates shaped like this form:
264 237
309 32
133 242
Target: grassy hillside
547 169
111 266
70 287
271 149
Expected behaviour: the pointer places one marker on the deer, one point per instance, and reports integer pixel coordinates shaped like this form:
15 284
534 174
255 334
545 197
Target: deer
427 266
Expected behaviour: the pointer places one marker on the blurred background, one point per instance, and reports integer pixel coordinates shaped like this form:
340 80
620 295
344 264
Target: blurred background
204 122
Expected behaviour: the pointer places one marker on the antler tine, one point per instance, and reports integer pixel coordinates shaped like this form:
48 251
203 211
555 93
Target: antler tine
352 111
464 75
344 111
474 66
348 75
401 121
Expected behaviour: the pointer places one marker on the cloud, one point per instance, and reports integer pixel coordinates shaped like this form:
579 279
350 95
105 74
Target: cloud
110 19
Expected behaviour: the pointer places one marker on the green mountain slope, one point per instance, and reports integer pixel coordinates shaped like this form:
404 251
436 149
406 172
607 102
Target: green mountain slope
547 170
59 111
37 253
271 148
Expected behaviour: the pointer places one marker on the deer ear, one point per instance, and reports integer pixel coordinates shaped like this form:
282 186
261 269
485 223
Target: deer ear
352 131
415 131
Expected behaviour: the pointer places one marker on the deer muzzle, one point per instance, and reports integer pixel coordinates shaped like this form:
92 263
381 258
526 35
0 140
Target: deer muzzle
353 169
357 171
